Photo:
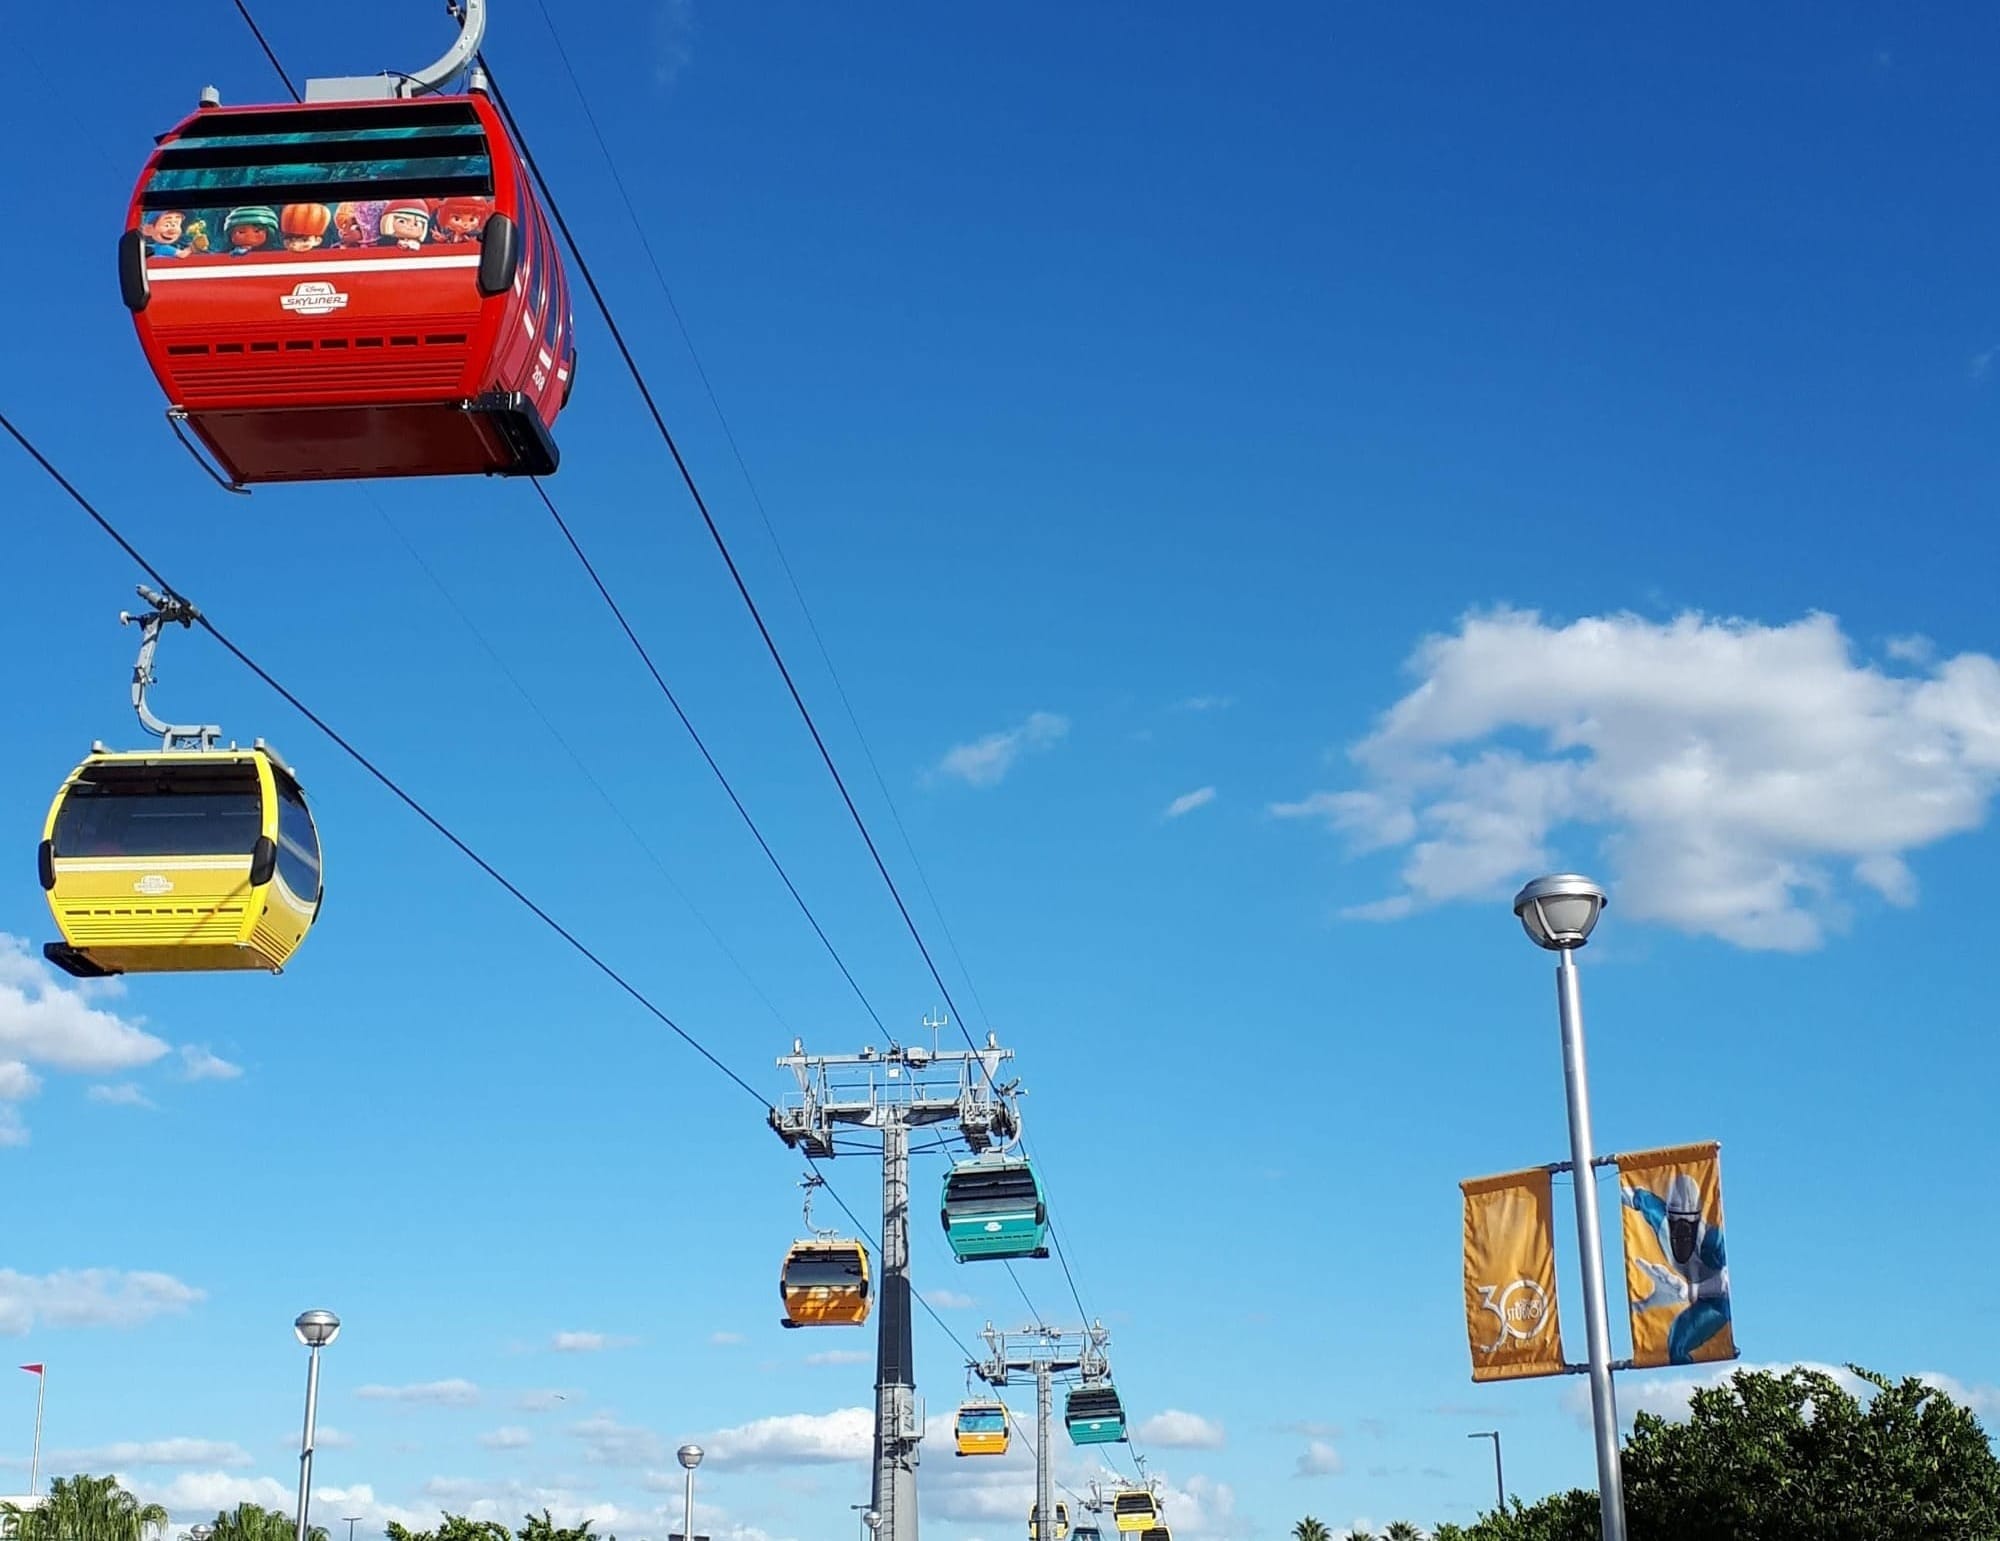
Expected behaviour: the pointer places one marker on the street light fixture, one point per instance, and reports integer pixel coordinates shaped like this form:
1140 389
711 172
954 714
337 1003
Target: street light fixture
315 1329
690 1457
1499 1482
1558 913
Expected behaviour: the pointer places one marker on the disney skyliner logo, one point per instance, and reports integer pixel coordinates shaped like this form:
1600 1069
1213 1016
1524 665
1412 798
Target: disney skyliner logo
313 299
1522 1309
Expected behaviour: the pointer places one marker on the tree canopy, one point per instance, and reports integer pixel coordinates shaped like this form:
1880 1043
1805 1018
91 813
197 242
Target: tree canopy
1788 1456
84 1508
253 1522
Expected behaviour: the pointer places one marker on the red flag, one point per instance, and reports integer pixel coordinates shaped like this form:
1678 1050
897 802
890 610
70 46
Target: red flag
34 1369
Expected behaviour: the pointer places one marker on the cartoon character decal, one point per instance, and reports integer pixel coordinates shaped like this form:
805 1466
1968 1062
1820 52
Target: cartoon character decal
358 224
252 228
167 234
406 223
304 225
460 220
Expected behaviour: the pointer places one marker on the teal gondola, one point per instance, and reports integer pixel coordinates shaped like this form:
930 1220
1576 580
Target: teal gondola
1095 1415
993 1208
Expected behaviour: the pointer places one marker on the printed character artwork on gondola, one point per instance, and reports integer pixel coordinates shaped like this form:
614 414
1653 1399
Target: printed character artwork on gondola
167 234
406 223
459 220
357 224
251 229
304 225
268 233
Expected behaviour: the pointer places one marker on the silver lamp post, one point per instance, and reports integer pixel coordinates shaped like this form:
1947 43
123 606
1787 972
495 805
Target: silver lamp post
1499 1481
315 1329
1559 913
690 1458
873 1520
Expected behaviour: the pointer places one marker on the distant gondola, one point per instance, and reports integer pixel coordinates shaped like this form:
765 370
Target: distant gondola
1095 1415
993 1208
982 1428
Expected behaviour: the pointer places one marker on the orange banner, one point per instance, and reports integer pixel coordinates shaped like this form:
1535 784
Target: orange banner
1676 1270
1510 1277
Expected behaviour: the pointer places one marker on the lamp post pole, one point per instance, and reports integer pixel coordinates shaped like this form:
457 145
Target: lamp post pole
1559 913
690 1457
315 1329
1499 1481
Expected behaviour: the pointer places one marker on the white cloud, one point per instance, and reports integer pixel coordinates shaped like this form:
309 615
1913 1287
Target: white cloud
1318 1459
509 1438
844 1435
1742 777
201 1495
122 1095
840 1356
1177 1430
985 761
151 1452
45 1021
1981 1401
1204 703
1669 1396
326 1438
198 1064
434 1393
89 1297
587 1342
17 1081
725 1339
1187 802
1980 366
607 1442
950 1300
361 1502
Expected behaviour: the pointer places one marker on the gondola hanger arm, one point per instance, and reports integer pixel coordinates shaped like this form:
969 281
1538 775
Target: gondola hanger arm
163 608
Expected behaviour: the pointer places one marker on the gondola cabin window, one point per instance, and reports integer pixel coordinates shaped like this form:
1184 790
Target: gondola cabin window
136 810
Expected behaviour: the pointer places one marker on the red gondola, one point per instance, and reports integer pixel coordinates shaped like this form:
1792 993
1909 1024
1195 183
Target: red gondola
354 287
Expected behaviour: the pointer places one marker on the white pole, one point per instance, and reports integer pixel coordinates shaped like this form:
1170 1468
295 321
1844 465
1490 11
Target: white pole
1590 1244
41 1395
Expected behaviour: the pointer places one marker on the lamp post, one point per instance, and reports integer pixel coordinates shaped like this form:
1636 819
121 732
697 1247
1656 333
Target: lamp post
690 1458
315 1329
1559 913
1499 1482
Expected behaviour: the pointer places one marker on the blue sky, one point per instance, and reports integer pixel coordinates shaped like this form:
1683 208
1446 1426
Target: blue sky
1467 443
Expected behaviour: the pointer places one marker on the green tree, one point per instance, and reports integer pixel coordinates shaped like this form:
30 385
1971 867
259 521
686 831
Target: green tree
251 1522
1798 1457
1791 1456
1358 1534
1402 1530
84 1508
1311 1529
539 1527
456 1527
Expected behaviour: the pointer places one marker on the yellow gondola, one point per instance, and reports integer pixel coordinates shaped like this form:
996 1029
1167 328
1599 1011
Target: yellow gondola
981 1428
187 858
824 1283
177 861
1062 1522
1135 1509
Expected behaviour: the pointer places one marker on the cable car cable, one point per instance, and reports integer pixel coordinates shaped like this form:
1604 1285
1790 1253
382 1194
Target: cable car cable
673 701
583 769
757 501
714 530
257 32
